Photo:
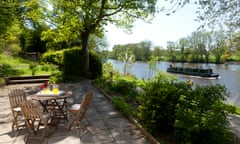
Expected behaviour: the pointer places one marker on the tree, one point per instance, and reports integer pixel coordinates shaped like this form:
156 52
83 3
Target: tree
158 52
208 43
201 45
152 66
183 42
128 59
31 39
9 25
236 41
223 14
146 46
80 18
213 12
99 45
141 50
11 39
219 47
197 41
171 48
220 12
9 11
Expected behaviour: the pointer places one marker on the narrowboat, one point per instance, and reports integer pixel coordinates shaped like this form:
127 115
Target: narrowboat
202 72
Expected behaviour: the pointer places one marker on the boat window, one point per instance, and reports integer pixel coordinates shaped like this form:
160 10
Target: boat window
210 71
203 71
195 70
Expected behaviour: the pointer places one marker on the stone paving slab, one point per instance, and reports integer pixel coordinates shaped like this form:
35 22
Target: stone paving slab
108 126
234 125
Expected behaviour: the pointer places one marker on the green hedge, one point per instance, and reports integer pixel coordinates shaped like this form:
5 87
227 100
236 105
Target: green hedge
73 62
70 62
95 65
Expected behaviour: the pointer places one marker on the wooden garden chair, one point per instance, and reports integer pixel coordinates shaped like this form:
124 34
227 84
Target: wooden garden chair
34 117
78 111
16 97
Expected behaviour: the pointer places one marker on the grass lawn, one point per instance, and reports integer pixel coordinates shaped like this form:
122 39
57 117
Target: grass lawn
16 66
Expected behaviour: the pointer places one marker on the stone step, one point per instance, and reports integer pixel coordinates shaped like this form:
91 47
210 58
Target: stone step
27 79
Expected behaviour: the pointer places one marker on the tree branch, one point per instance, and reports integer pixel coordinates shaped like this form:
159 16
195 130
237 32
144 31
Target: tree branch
102 15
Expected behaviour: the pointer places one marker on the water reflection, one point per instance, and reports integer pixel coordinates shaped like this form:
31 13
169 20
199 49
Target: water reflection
229 75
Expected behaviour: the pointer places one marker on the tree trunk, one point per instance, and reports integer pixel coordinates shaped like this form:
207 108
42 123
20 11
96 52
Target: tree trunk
84 38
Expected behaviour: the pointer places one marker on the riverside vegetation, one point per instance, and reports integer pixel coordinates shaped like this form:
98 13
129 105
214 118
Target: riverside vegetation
172 111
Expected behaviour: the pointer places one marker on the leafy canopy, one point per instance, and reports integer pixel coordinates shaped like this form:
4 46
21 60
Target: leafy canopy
214 12
9 11
224 12
69 19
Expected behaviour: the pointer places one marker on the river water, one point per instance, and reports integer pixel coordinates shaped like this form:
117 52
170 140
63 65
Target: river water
229 75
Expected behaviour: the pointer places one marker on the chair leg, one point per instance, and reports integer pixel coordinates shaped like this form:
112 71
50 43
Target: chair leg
44 133
76 123
71 124
29 126
14 123
26 138
32 129
83 116
75 120
87 120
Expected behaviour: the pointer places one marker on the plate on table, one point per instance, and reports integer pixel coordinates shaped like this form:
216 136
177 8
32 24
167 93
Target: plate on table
50 93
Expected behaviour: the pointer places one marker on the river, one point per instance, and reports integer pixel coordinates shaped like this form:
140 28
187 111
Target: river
229 75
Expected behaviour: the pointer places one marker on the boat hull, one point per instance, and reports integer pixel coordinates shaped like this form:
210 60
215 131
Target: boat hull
193 72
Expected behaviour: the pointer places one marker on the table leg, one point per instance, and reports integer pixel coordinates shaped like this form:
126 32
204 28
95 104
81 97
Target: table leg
61 109
44 105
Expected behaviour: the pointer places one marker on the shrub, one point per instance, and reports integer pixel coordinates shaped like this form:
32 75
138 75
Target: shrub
2 81
121 105
197 116
123 86
172 108
53 57
201 117
158 103
8 70
56 77
33 68
105 81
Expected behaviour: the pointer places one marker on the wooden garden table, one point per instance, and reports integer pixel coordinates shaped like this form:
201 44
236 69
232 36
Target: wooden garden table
56 103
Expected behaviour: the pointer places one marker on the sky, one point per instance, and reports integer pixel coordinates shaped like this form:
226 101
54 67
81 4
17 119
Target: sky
162 29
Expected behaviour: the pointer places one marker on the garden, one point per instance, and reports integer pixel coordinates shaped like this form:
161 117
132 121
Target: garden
170 110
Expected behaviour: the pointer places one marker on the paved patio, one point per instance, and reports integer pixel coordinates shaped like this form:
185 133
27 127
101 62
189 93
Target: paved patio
108 126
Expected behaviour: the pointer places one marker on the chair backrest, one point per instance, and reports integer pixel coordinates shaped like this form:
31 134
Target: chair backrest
31 110
89 97
86 101
16 97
